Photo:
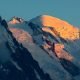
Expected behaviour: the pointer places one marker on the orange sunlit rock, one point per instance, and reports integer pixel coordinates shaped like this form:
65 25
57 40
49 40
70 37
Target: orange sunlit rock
61 53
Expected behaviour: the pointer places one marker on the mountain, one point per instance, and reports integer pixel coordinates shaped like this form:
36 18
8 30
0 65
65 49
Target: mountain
21 35
38 49
19 65
55 25
16 20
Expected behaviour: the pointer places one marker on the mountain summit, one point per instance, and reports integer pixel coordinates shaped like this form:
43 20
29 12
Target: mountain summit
54 25
16 20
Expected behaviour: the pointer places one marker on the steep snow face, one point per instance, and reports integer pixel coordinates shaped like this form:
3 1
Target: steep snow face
21 35
57 26
15 20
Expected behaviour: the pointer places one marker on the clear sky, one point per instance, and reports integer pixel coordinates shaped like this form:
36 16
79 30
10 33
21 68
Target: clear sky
68 10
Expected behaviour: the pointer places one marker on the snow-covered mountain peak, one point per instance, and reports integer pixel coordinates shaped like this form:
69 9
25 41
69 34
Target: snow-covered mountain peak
55 25
16 20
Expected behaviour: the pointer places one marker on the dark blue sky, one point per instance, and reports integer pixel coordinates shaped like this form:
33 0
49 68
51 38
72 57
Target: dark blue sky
68 10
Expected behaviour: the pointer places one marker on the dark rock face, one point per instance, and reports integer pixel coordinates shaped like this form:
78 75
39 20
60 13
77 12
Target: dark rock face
0 19
28 65
4 23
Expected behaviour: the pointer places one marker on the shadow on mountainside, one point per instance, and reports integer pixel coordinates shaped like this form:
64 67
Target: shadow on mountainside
70 67
30 69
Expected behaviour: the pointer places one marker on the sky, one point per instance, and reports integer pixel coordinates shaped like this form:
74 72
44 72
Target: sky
68 10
